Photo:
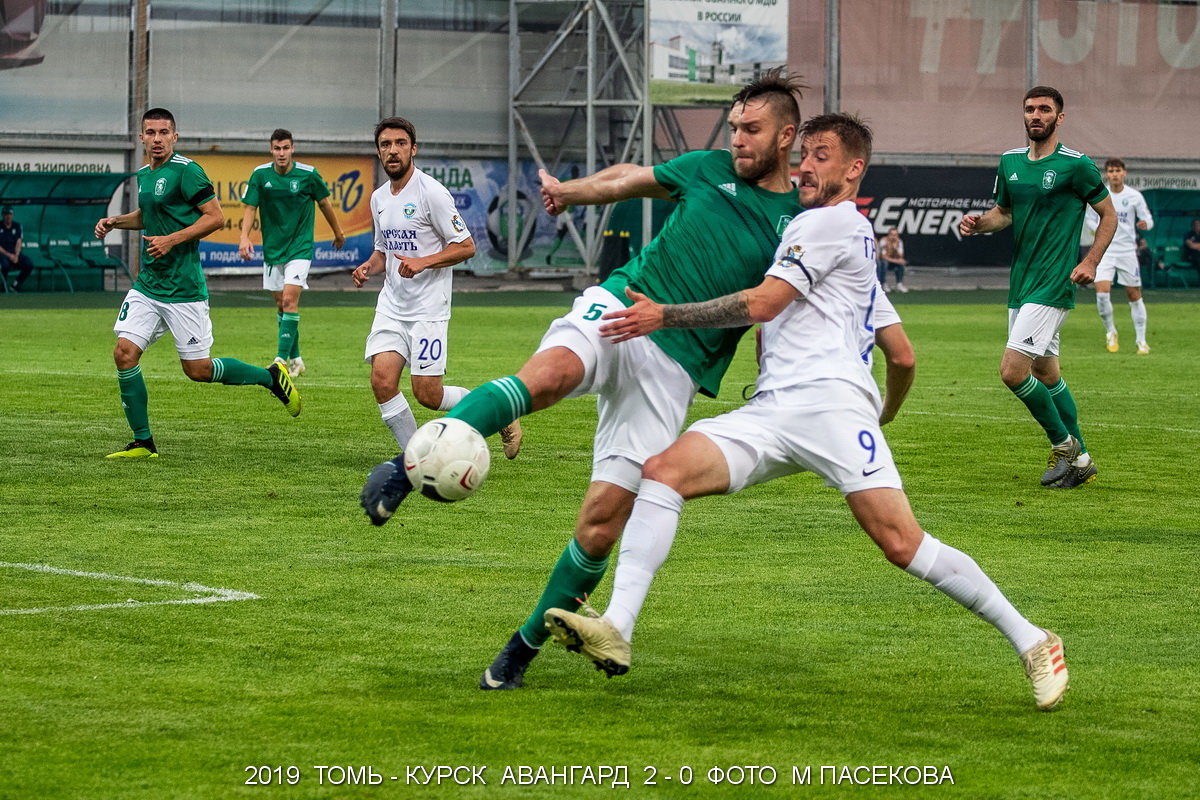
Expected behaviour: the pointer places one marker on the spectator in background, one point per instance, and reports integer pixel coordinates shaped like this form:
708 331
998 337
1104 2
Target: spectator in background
11 257
891 256
1191 246
1145 256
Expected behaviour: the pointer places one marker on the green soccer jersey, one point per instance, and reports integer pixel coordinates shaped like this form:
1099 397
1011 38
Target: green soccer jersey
1048 198
720 239
285 208
170 198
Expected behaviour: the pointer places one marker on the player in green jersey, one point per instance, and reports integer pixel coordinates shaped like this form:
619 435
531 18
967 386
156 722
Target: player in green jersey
732 209
284 191
177 207
1042 191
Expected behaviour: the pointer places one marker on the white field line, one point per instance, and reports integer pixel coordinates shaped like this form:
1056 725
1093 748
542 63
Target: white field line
211 595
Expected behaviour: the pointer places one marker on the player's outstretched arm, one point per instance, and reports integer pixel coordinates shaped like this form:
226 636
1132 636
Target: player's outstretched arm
339 238
760 304
901 369
997 218
1085 272
609 185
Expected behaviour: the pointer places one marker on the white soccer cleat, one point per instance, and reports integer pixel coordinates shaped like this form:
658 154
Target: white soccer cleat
295 367
1143 349
593 637
1046 667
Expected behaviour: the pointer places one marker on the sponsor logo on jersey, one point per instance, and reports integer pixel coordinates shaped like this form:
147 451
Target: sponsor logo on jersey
782 224
409 210
1012 177
728 188
267 185
160 187
457 222
1048 179
193 340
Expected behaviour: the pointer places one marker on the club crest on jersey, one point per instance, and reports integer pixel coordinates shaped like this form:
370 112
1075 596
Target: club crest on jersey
1048 179
409 210
294 185
457 222
160 187
782 224
792 257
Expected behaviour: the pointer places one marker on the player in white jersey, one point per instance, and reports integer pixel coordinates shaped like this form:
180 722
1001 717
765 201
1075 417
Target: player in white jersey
816 409
419 236
1120 260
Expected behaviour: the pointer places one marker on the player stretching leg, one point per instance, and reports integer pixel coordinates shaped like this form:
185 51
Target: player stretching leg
817 409
1120 259
170 292
1041 191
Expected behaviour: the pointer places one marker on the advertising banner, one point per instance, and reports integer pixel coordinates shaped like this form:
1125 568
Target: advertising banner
350 182
699 48
925 205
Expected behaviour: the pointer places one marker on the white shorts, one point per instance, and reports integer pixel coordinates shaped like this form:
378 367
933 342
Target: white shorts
827 427
642 393
1125 270
143 320
422 344
294 272
1033 329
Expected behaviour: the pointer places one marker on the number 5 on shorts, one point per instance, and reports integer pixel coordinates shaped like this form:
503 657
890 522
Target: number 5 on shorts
594 312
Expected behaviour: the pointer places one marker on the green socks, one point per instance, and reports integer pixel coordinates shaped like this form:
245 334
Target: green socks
494 405
1036 397
289 336
134 400
232 372
1067 411
574 577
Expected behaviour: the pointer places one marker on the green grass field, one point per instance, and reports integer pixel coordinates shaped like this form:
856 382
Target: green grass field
775 636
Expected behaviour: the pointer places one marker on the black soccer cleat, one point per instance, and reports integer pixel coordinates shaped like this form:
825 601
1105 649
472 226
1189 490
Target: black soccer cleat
508 670
1061 458
1077 476
282 387
386 487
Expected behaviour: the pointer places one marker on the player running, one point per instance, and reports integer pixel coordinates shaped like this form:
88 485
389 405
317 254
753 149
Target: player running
1042 190
284 191
1120 259
817 409
177 207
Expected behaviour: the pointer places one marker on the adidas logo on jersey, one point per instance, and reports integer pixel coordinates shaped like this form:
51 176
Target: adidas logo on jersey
729 188
1027 340
1012 177
193 340
267 185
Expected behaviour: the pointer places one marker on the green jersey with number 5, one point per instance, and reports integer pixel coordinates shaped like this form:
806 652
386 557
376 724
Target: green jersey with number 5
720 239
170 198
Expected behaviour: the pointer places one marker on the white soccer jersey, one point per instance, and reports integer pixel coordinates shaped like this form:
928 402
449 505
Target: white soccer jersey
1131 207
420 221
828 255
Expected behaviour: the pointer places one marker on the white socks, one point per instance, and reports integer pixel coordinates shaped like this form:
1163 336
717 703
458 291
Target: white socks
1137 310
956 574
1104 307
398 416
450 397
644 546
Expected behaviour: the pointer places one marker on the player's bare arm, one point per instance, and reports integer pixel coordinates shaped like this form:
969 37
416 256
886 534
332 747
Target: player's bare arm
609 185
997 218
245 246
211 219
901 364
1085 272
372 266
129 222
760 304
453 253
339 238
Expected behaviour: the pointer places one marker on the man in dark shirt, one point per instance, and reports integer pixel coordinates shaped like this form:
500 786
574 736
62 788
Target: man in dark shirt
1191 246
11 257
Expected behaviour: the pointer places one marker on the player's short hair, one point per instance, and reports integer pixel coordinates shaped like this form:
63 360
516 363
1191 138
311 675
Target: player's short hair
396 122
1046 91
281 135
159 113
782 92
854 134
1114 162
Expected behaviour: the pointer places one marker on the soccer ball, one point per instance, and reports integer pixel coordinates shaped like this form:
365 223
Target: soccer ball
447 460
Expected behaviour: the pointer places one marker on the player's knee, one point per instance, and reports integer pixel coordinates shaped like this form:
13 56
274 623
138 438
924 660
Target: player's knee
662 469
126 354
1013 376
429 396
899 549
598 538
199 371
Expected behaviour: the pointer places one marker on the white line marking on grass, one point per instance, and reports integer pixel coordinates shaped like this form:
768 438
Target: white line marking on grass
1087 423
211 594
